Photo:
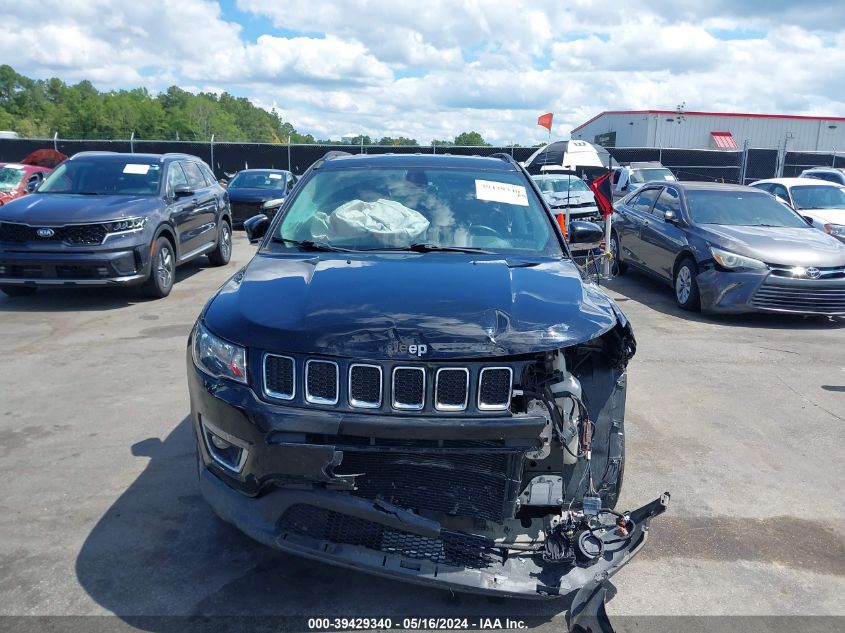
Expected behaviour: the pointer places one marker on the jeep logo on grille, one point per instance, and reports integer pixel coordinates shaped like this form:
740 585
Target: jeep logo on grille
813 273
45 232
415 349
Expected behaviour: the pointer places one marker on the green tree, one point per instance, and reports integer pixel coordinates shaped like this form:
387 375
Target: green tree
470 138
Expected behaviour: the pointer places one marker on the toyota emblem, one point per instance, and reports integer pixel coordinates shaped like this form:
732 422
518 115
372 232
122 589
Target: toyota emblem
813 273
45 232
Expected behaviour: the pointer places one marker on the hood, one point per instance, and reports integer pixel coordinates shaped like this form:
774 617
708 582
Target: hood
366 306
247 194
63 208
778 245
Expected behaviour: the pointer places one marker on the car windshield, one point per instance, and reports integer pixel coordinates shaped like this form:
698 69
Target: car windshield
258 180
740 208
640 176
818 197
10 178
123 175
561 184
434 208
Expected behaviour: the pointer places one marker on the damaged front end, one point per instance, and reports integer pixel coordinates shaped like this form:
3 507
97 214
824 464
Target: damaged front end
492 475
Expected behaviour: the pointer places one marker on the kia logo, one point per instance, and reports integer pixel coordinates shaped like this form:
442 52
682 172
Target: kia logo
45 232
813 273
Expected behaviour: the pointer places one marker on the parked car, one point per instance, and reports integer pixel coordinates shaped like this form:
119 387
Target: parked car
17 180
398 381
567 191
254 191
820 201
729 248
831 174
103 218
626 178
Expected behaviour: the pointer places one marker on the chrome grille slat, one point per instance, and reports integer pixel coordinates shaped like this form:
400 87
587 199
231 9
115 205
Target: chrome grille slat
322 382
495 385
365 386
408 387
279 376
451 389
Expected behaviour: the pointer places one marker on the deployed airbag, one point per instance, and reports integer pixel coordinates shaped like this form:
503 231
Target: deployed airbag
387 221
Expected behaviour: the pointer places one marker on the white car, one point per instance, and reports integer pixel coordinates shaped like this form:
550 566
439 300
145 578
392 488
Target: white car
821 201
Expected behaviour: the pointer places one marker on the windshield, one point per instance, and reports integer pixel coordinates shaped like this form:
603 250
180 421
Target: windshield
740 208
640 176
818 197
258 180
373 209
562 184
120 176
10 178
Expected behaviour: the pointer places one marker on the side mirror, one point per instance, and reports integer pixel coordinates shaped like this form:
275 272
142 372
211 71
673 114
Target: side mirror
581 232
256 227
670 216
182 191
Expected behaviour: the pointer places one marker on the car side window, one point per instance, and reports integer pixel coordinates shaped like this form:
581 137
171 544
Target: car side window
645 200
209 176
195 178
765 186
175 178
668 201
780 192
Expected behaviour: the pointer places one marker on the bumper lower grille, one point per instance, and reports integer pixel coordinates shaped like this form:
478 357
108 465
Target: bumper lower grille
451 548
477 484
73 234
800 298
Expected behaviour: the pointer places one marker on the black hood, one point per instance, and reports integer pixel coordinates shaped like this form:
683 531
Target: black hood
460 306
248 194
64 208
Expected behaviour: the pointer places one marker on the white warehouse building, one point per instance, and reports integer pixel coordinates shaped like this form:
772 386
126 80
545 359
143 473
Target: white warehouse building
713 130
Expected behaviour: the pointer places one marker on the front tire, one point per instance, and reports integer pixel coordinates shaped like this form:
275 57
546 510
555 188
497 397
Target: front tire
18 291
221 255
686 287
162 270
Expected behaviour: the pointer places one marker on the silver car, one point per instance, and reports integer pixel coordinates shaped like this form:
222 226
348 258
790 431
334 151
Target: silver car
729 248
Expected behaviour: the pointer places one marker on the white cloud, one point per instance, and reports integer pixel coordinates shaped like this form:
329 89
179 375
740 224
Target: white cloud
434 69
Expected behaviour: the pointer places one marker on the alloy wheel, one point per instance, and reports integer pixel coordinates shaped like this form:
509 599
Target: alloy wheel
164 267
683 284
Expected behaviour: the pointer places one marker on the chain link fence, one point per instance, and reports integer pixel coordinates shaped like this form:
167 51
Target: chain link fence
737 166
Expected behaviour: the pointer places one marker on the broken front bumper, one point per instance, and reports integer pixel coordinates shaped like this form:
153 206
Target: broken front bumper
290 490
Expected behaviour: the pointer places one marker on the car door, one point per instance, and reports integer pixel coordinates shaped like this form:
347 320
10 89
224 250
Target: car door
181 208
635 213
203 216
662 240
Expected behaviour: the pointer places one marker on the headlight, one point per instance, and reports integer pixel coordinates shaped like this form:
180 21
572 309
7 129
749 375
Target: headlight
732 261
835 229
217 357
275 202
122 226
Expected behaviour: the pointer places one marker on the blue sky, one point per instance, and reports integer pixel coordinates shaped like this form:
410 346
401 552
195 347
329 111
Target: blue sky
434 69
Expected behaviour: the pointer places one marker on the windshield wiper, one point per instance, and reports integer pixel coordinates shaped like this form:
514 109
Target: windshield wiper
426 247
311 245
87 193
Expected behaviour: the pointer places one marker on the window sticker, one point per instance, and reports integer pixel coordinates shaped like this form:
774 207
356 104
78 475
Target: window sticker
501 192
135 168
275 176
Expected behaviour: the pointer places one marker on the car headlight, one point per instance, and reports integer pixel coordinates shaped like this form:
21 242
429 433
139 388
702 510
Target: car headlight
835 229
123 226
217 357
732 261
275 202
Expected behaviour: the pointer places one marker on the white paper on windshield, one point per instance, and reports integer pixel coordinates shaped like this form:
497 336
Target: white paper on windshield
501 192
135 168
275 176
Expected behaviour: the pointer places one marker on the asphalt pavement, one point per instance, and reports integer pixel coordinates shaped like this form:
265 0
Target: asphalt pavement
742 419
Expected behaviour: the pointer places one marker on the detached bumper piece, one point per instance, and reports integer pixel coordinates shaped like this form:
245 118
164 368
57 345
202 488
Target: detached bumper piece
379 537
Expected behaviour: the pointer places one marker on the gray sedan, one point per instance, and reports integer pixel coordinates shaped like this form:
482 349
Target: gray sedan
729 248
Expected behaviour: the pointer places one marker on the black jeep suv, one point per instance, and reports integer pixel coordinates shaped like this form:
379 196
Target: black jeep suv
412 378
103 218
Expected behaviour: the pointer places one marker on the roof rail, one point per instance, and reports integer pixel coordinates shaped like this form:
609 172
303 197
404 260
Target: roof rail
505 157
